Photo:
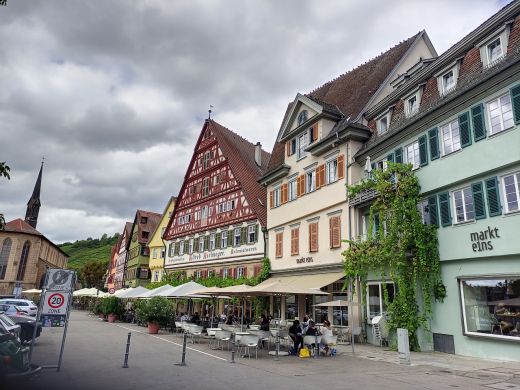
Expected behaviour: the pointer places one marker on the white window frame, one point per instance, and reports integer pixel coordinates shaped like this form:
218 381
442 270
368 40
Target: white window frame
225 273
464 205
498 100
223 239
201 243
491 60
303 116
503 35
449 126
310 181
197 274
190 246
415 164
409 112
291 190
181 248
240 272
235 236
444 89
205 188
516 183
154 253
381 297
386 116
277 196
251 234
206 159
212 237
302 140
332 177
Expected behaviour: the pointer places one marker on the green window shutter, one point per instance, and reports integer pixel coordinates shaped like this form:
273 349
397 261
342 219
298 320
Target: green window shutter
423 151
217 240
206 242
478 200
433 135
479 124
196 245
493 197
230 238
243 235
390 157
515 97
186 246
176 248
444 207
398 155
256 233
432 210
465 134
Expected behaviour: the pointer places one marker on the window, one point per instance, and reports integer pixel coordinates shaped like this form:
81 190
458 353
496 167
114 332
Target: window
204 212
448 82
225 273
511 185
412 105
145 235
181 248
463 202
302 117
500 114
494 51
197 274
251 234
382 165
292 190
490 307
4 256
382 125
211 273
212 242
223 240
302 144
279 245
332 171
240 272
201 244
163 252
277 192
155 253
450 137
310 181
156 276
144 219
205 162
190 246
236 237
376 304
205 186
295 241
424 211
412 154
23 261
335 231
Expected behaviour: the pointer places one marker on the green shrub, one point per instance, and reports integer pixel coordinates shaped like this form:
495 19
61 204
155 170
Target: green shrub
112 305
156 310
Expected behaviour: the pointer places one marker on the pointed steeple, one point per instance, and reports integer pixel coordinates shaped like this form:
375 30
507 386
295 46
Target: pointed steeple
33 206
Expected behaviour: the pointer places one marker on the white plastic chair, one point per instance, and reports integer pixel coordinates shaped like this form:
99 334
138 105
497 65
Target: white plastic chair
310 341
249 341
358 331
330 342
195 331
211 334
222 336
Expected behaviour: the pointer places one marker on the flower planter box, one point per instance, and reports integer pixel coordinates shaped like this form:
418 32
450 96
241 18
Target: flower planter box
112 318
153 328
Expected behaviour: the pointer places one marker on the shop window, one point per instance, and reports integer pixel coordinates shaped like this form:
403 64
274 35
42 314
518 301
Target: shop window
491 307
376 304
291 307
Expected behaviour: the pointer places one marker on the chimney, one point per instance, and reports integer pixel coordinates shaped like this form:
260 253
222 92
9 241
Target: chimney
258 154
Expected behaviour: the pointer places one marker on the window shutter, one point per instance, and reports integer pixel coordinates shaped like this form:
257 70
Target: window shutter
177 248
320 176
186 246
245 272
234 273
284 193
243 235
465 134
478 200
229 238
336 239
313 237
206 243
390 157
493 197
341 166
297 241
423 151
221 273
515 97
301 185
315 132
278 246
479 125
399 155
444 207
271 199
432 210
433 135
217 240
288 148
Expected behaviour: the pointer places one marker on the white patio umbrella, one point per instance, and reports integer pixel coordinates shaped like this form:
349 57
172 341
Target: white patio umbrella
155 292
120 292
32 291
134 292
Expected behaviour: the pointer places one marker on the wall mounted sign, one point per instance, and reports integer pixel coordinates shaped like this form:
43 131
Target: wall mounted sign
303 260
483 240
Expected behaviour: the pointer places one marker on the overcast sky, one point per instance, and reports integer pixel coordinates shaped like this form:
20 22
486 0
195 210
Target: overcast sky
114 93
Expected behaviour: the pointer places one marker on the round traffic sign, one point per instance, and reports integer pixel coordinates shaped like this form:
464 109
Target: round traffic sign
56 300
111 290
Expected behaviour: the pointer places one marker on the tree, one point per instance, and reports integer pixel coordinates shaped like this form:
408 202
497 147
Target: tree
4 171
92 273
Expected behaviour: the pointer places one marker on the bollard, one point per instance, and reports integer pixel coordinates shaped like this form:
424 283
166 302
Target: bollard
316 346
125 364
277 344
183 361
232 347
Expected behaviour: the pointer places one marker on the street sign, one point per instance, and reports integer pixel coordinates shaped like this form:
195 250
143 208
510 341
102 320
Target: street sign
53 321
111 290
59 280
55 303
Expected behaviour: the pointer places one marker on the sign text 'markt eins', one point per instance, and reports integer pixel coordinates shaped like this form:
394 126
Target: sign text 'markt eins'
482 241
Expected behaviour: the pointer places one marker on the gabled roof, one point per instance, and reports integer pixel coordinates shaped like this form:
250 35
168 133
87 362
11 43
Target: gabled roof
152 221
128 230
351 92
172 199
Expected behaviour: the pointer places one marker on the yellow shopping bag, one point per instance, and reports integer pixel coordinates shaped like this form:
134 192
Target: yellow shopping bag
305 353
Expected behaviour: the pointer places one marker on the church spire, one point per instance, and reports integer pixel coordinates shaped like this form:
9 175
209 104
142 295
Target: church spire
33 206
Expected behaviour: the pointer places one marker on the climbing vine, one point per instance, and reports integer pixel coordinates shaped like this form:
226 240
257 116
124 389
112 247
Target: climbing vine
398 247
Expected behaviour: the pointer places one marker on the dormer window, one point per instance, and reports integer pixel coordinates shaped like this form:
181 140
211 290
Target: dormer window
494 51
494 47
383 123
302 117
412 105
447 80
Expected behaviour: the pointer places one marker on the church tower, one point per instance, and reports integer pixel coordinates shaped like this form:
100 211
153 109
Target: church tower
33 206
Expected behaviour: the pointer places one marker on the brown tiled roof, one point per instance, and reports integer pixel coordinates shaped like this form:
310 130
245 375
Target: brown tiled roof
350 92
20 226
241 158
153 220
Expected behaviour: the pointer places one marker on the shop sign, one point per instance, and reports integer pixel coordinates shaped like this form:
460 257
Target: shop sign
303 260
483 240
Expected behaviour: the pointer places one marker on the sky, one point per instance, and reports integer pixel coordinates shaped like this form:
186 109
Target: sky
114 93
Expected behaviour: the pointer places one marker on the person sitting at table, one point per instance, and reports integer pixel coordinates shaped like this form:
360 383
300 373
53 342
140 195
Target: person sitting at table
311 329
264 323
184 317
230 319
295 333
326 332
195 318
305 322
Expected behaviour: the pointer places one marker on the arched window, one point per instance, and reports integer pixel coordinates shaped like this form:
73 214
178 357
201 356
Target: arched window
4 257
23 260
302 117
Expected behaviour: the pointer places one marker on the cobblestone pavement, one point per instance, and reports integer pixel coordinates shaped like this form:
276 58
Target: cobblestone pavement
94 353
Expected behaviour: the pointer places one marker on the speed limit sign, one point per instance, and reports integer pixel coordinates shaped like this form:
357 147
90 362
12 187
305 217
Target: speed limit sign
55 303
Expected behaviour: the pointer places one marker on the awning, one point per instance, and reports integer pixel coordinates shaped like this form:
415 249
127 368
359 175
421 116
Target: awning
309 281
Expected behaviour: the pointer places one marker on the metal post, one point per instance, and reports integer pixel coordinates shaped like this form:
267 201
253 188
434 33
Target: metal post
277 342
232 347
38 313
183 359
316 346
65 331
125 364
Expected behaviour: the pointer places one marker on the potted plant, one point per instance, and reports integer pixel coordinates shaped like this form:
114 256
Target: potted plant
112 307
156 312
97 309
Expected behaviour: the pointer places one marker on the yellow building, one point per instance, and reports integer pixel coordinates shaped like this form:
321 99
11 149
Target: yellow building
156 244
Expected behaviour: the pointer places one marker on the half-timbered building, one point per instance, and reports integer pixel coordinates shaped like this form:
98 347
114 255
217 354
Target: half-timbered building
218 224
120 253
